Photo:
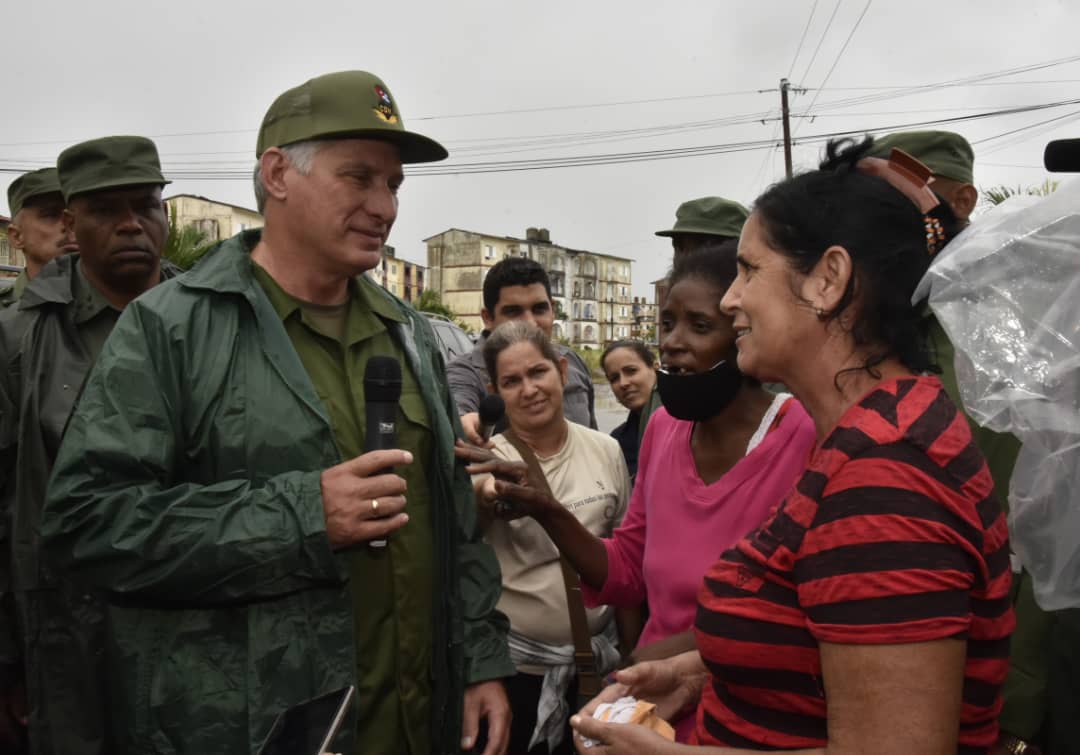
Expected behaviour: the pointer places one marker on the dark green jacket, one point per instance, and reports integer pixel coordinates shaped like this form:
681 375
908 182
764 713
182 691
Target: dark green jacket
60 645
11 290
188 486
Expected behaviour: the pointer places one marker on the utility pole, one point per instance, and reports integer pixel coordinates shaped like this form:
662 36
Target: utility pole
784 85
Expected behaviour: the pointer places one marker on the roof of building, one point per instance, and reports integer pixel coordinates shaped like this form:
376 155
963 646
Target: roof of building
532 241
212 201
4 219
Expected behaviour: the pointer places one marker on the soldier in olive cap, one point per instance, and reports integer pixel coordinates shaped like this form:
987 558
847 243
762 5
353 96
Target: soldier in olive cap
1024 713
949 156
700 220
37 229
214 474
48 343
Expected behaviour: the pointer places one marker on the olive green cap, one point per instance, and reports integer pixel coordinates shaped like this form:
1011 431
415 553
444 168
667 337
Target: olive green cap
714 216
108 163
945 153
36 183
346 104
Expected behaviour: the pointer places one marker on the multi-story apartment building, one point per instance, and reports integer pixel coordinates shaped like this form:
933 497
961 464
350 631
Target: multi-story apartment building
8 255
217 220
591 290
402 278
644 327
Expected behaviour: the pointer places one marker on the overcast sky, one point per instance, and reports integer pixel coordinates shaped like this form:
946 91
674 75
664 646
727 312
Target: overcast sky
592 77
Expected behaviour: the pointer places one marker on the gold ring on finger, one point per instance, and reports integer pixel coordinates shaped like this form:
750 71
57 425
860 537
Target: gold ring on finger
374 506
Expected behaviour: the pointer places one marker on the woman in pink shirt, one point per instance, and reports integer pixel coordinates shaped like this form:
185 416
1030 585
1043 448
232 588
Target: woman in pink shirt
714 461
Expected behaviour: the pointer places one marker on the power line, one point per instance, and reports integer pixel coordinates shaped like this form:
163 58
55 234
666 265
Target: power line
539 142
887 93
506 166
839 55
802 39
964 81
985 84
821 40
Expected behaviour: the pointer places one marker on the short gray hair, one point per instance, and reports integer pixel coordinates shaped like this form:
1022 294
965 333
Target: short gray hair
514 332
301 155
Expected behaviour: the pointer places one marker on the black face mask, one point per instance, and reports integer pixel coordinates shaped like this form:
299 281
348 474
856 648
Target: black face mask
700 396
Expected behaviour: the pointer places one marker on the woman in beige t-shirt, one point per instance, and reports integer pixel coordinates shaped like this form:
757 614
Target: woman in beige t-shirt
587 475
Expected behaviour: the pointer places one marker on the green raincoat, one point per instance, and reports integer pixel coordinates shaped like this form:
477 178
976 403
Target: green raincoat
188 487
49 627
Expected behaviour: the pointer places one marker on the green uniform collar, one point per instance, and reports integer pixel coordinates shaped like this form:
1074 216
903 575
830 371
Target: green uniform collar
89 302
228 268
285 304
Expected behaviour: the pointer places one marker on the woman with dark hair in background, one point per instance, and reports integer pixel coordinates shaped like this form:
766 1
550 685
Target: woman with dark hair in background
630 367
870 613
714 461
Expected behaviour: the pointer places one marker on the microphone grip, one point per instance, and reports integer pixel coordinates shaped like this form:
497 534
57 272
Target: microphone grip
380 435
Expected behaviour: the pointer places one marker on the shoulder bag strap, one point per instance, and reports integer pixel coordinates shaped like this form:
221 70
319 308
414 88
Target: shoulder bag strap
585 662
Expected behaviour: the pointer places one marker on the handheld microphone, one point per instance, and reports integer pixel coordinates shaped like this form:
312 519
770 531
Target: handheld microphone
382 392
492 410
1062 156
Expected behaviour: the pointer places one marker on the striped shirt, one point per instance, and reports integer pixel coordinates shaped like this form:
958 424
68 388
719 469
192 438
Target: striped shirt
892 535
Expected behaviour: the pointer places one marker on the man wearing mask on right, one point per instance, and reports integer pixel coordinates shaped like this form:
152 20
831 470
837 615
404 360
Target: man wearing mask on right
1024 716
37 229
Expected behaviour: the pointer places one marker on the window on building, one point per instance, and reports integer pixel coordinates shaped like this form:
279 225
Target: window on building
209 227
489 252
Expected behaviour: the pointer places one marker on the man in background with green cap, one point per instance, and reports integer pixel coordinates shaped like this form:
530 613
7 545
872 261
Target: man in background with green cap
48 342
214 476
37 229
706 219
1024 716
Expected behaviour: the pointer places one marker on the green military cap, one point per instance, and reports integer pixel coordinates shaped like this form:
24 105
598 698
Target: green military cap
346 104
945 153
109 163
36 183
714 216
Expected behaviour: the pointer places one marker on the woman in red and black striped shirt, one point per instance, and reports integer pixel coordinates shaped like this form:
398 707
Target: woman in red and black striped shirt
870 613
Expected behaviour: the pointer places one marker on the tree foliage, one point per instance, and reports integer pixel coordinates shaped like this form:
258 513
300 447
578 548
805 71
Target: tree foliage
185 245
430 301
997 194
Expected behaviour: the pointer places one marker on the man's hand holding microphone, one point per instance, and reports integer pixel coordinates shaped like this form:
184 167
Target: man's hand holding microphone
363 500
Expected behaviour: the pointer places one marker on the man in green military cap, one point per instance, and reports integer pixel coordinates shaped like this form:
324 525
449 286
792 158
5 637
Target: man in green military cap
951 159
48 342
700 220
1024 715
214 476
37 229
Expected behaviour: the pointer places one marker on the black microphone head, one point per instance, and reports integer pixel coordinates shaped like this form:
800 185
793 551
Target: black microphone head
1062 156
382 380
492 409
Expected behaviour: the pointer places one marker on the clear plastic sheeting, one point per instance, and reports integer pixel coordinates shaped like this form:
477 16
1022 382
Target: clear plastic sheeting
1007 293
